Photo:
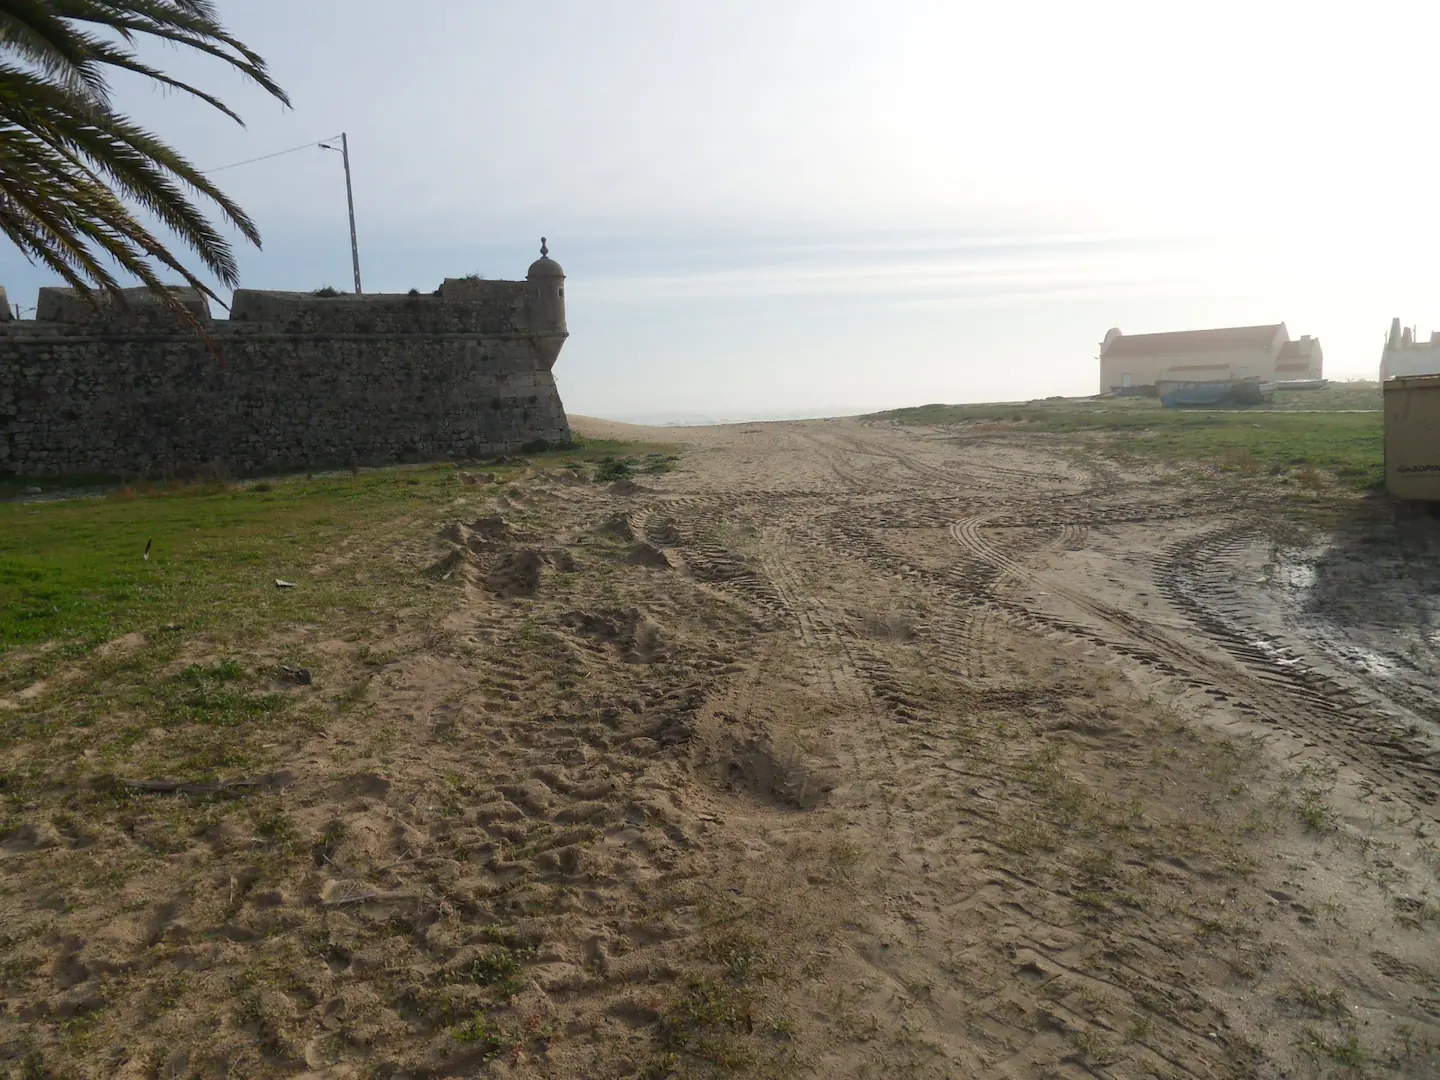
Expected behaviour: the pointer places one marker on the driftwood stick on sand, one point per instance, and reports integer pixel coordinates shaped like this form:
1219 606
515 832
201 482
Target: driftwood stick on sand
180 787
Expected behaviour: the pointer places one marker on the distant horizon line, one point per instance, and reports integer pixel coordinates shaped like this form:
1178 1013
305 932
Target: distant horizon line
689 418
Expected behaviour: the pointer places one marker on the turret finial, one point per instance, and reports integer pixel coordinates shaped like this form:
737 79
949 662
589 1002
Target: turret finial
544 251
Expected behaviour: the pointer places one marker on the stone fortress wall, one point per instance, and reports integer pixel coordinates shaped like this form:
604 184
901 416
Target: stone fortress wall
300 381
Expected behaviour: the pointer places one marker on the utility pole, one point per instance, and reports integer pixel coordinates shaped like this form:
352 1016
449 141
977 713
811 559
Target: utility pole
350 200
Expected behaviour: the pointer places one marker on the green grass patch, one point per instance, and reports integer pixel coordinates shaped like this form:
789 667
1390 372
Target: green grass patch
498 969
624 467
1299 436
1337 397
704 1024
207 695
185 698
480 1031
612 469
1344 1050
73 572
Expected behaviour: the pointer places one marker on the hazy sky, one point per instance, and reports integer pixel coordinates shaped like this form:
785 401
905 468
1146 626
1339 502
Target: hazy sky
814 205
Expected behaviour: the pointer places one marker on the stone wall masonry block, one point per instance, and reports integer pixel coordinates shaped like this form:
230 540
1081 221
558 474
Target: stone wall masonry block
301 382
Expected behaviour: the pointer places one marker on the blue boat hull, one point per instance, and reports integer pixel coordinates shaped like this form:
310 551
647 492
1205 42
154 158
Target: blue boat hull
1203 395
1196 395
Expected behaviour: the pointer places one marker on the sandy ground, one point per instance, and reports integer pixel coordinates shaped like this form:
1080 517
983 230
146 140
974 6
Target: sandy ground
841 750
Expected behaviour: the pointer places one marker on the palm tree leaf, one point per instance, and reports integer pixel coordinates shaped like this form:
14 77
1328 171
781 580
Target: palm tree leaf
192 25
133 158
127 61
32 30
69 164
92 216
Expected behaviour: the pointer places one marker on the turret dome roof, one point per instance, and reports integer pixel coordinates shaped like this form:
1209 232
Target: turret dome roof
545 266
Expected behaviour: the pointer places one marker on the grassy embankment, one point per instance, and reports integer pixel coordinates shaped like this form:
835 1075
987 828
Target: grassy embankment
1319 439
74 576
74 572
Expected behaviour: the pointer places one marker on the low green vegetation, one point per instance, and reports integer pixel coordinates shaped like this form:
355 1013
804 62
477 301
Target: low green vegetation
1360 394
183 559
497 968
1315 438
145 635
613 468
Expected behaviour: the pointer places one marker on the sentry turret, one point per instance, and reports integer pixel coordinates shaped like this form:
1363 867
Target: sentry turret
545 305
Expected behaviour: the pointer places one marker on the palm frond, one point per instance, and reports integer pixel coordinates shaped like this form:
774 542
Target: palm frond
183 22
35 32
72 168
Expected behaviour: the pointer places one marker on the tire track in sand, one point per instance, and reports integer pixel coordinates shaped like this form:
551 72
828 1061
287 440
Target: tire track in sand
1343 725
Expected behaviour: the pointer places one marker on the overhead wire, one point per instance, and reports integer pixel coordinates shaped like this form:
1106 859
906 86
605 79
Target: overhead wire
267 157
